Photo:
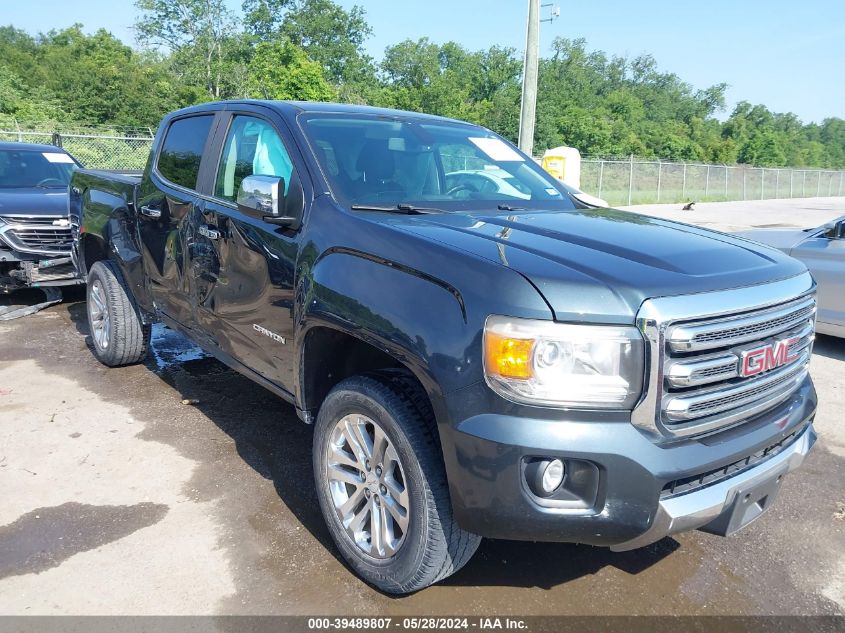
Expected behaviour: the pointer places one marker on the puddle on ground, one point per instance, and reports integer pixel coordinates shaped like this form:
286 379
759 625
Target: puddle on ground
170 348
46 537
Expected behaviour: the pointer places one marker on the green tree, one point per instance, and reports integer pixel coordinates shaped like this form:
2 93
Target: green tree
195 32
328 33
19 102
282 70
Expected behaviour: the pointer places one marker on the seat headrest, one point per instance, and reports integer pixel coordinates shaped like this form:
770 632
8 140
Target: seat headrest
376 160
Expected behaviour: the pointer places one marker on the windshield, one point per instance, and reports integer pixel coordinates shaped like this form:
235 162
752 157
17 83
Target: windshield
385 161
24 169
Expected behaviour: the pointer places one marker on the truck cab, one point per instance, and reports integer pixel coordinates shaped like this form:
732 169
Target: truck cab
475 363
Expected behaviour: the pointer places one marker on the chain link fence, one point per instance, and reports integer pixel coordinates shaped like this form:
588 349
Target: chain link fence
637 181
619 181
94 151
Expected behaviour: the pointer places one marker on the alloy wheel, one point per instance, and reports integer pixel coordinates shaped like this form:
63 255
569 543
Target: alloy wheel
98 313
368 487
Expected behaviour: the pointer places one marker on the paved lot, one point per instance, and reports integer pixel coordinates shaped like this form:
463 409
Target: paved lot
118 498
761 214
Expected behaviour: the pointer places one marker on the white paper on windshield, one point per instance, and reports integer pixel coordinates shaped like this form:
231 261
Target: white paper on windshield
57 157
496 149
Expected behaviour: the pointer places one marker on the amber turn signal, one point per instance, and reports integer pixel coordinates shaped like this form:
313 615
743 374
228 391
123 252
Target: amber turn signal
507 357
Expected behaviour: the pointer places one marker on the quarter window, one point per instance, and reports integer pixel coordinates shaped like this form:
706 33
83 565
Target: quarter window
181 152
252 148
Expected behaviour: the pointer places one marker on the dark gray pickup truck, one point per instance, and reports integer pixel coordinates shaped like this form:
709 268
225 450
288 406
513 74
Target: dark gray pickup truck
475 362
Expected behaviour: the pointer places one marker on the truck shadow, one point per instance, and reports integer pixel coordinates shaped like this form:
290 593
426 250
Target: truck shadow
829 347
271 440
547 565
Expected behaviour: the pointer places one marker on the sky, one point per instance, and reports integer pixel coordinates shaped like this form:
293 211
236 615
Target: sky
784 54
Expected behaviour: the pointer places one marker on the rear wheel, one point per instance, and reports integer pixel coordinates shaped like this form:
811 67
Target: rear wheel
382 485
118 335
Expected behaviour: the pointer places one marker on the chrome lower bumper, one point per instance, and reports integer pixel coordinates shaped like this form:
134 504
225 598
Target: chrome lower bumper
699 508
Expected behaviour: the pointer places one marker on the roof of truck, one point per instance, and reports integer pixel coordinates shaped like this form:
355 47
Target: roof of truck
323 107
32 147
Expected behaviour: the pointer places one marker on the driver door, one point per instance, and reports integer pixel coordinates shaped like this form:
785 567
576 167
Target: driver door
244 276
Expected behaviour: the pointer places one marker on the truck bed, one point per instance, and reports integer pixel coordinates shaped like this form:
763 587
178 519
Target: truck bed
125 176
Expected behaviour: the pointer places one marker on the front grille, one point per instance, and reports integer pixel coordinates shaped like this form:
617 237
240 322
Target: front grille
37 235
717 333
701 480
57 238
703 388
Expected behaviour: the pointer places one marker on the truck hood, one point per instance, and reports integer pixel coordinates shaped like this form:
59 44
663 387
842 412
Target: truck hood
33 202
782 239
603 263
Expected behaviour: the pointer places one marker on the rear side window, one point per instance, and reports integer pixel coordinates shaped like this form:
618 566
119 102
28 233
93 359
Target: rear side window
181 152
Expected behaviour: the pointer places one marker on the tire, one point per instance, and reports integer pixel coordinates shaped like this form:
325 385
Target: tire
431 546
117 333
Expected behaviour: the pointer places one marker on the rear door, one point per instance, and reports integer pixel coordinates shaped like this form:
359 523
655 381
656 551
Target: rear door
168 204
245 277
825 257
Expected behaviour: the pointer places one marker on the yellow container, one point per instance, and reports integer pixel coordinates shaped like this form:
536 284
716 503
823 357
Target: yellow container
564 163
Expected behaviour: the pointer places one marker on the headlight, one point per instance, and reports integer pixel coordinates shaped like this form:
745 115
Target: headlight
562 365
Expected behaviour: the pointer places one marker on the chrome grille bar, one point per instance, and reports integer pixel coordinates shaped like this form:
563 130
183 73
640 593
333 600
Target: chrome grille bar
740 329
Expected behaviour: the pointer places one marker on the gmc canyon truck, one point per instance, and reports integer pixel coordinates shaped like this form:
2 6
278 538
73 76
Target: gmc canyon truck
35 233
475 364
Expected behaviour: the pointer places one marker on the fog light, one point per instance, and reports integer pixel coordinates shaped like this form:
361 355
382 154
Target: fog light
544 476
553 475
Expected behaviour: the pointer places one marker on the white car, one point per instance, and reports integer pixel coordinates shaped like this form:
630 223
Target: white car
822 249
581 196
498 181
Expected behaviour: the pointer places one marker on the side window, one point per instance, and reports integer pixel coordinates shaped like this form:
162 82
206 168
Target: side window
252 148
181 152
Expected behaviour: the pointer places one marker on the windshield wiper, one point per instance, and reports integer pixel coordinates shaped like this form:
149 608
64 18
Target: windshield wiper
402 207
507 207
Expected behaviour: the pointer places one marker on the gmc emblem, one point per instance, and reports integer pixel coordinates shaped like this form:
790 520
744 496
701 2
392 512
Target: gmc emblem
759 359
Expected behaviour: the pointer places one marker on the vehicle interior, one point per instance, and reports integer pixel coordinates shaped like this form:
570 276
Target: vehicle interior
377 160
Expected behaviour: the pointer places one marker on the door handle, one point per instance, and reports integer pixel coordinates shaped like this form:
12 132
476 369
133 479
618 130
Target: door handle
209 232
151 212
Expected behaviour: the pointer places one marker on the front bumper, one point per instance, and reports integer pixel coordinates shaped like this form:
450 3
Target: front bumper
25 271
632 503
728 505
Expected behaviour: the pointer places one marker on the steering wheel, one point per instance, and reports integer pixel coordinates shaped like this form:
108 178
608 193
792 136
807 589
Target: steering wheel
464 186
46 181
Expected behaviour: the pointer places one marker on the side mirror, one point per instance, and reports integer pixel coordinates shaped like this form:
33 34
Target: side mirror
264 196
835 230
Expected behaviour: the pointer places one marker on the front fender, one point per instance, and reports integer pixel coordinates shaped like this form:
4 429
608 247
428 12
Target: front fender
420 318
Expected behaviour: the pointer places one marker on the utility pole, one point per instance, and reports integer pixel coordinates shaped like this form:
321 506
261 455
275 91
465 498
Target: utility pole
528 107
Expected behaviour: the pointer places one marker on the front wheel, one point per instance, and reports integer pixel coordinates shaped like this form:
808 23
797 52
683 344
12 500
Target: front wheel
382 485
118 335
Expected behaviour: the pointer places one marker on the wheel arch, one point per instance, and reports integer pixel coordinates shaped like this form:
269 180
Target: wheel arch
328 355
351 323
